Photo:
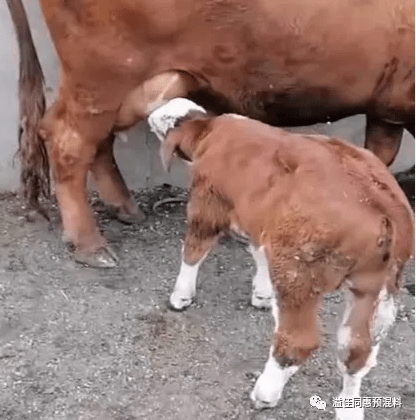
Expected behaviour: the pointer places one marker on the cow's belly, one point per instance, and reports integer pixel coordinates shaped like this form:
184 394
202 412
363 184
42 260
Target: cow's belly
279 109
232 61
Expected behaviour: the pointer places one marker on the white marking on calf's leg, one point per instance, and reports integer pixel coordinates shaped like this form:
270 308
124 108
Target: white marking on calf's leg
275 313
269 386
351 386
262 293
185 286
344 332
384 317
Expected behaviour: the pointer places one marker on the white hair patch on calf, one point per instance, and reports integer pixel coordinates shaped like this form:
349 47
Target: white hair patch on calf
344 331
262 293
269 386
163 119
185 285
385 315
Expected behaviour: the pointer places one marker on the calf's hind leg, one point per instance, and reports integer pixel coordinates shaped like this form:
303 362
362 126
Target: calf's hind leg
367 320
262 293
296 337
111 185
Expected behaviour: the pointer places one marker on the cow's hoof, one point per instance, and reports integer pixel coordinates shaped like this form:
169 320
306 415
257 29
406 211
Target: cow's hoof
104 257
179 302
261 302
130 217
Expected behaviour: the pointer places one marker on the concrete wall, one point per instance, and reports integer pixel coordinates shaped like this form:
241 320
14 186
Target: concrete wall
137 155
8 98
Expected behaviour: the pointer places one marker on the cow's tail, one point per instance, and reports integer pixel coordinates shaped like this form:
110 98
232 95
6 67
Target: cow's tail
35 174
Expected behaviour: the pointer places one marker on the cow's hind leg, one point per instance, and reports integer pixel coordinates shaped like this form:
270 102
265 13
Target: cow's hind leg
262 293
406 179
367 319
72 142
111 185
410 127
383 138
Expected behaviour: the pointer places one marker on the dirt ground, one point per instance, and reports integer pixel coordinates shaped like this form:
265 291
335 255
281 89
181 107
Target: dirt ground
87 344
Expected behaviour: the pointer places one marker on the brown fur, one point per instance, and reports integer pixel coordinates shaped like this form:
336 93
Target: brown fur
324 210
291 63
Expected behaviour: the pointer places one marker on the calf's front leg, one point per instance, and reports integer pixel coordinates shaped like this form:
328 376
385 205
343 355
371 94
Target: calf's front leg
207 218
194 251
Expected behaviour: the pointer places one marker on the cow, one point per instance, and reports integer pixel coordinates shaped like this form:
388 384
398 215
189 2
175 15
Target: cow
285 63
320 215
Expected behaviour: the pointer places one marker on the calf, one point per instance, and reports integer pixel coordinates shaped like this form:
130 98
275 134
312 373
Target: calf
320 215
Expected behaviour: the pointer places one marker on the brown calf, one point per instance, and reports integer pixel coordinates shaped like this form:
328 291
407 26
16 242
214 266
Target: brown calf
320 215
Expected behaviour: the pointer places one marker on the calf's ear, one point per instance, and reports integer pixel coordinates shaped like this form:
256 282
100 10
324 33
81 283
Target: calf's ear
183 140
168 148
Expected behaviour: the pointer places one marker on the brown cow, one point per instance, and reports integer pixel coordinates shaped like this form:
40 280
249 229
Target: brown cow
320 215
286 63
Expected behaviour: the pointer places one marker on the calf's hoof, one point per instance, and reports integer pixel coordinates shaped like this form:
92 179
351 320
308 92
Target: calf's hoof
103 257
179 301
261 302
264 394
356 413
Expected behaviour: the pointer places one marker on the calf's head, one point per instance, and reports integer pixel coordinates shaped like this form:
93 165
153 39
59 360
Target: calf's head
178 124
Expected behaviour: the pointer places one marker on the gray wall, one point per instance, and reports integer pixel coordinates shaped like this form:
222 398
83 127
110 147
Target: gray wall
8 99
138 159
